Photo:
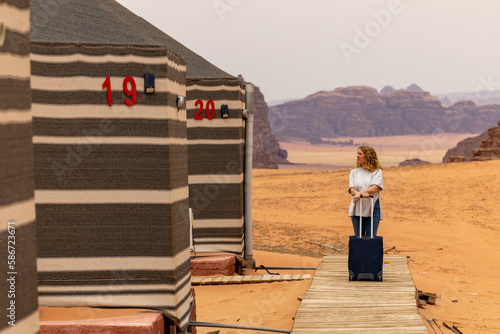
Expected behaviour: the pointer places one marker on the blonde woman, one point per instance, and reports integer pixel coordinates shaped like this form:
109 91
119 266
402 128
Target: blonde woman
364 180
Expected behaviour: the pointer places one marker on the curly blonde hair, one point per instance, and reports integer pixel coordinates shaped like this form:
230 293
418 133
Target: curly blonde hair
371 159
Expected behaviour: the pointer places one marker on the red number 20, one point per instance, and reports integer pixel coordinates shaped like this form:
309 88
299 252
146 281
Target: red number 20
132 93
209 110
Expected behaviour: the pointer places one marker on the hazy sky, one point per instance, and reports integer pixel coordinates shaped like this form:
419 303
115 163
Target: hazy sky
293 48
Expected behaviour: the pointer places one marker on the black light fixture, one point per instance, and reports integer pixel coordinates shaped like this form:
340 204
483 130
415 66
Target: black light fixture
224 109
149 83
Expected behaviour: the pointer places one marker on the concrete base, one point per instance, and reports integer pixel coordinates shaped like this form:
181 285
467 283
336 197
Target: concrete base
85 320
216 265
90 320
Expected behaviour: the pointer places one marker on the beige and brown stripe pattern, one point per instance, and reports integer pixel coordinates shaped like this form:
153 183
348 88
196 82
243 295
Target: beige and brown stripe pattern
216 165
17 204
111 181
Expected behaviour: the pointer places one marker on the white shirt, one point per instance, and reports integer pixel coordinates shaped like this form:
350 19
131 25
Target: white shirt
360 179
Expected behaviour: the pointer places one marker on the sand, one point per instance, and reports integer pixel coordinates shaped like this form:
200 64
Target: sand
268 305
443 216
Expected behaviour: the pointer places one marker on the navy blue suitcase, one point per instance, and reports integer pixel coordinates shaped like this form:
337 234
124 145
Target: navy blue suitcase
365 255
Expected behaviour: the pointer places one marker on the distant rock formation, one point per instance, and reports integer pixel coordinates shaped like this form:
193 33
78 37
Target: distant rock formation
387 90
266 150
413 162
464 107
480 98
445 101
464 149
414 88
490 147
360 111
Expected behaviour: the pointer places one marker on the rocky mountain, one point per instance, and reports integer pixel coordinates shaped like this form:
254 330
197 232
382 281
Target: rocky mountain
486 146
414 88
413 162
387 90
464 149
446 101
266 149
490 147
360 111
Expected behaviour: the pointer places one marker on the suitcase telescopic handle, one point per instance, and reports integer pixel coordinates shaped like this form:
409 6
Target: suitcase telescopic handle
361 217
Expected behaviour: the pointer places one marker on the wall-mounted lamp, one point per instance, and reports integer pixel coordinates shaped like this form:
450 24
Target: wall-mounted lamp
180 102
3 31
149 83
224 110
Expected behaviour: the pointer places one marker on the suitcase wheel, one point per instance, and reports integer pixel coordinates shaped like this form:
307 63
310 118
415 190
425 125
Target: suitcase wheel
380 277
351 277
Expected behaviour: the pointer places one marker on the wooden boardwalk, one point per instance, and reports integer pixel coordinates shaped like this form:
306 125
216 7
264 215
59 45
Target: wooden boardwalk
235 279
333 304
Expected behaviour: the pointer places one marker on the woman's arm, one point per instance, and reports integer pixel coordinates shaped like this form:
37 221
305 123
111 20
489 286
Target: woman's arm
363 193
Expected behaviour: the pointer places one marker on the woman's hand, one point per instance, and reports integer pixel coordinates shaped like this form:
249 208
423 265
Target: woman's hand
356 197
359 195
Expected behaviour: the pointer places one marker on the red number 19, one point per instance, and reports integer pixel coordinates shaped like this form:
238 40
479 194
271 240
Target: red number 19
132 92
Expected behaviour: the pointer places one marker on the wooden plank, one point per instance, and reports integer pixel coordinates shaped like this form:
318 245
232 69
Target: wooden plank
226 280
212 280
276 278
256 279
428 297
267 278
217 279
236 279
206 281
333 304
196 280
246 279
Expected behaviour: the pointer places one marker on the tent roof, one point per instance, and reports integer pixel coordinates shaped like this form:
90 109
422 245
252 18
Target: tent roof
106 21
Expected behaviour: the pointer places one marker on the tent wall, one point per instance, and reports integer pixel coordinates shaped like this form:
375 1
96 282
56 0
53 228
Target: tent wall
111 182
216 164
18 285
213 144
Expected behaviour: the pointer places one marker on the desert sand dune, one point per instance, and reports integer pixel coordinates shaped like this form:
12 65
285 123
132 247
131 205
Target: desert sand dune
445 217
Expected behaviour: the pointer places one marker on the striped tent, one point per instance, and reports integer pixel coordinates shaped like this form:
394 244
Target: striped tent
111 177
216 149
18 285
215 143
